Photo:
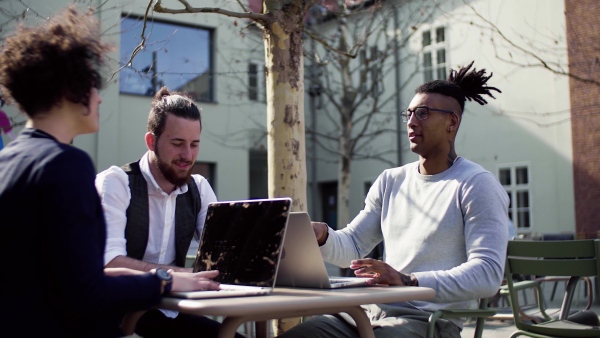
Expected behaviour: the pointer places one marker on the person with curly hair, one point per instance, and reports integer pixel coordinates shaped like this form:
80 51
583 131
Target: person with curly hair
53 281
443 221
155 206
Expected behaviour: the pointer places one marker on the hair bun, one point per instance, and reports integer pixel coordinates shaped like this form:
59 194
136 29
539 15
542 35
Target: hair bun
160 95
162 92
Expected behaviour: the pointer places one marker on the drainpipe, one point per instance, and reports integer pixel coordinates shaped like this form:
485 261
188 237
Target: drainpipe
399 134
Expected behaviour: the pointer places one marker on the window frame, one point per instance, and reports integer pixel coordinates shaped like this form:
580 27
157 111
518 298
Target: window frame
431 51
373 84
513 189
212 90
261 82
208 170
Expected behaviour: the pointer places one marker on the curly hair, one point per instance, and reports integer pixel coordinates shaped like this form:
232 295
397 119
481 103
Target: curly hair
463 84
177 103
61 59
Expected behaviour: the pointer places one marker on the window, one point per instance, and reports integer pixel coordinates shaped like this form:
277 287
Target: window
373 76
515 180
259 180
208 171
367 187
176 56
376 72
434 54
426 38
253 82
257 81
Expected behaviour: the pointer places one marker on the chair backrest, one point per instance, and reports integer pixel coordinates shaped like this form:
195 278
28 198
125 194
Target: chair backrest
550 258
558 237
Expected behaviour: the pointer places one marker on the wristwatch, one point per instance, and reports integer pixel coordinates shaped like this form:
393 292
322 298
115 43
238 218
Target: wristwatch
166 279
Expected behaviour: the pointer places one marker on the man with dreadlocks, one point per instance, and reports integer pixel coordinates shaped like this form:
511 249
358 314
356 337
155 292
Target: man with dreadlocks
443 221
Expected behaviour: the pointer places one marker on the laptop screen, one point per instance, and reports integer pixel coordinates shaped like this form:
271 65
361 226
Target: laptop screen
243 240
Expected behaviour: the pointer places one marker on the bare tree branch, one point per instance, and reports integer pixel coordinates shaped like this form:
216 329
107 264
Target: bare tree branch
262 18
541 62
139 47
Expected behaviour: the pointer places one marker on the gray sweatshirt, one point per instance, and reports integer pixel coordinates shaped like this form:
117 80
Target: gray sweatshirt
450 230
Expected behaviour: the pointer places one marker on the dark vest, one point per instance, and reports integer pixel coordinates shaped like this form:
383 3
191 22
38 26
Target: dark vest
138 217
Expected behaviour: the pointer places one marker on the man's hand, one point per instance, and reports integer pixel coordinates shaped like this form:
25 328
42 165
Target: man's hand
381 273
187 281
320 230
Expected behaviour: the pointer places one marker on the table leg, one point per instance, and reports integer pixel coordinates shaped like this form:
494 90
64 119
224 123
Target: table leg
363 324
130 321
261 329
229 326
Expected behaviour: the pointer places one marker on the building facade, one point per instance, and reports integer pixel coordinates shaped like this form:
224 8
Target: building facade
537 136
584 85
523 136
205 55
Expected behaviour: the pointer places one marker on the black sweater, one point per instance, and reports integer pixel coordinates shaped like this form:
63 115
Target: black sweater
52 238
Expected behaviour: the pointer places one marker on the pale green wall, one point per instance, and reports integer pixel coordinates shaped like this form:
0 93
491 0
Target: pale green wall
492 135
528 123
228 123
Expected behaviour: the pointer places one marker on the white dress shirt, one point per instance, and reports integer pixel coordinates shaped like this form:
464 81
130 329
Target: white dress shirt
113 187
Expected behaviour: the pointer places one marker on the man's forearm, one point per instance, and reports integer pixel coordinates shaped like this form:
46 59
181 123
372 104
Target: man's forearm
136 264
121 272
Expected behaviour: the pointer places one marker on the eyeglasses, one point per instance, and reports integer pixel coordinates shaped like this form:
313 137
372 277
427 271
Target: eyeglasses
421 113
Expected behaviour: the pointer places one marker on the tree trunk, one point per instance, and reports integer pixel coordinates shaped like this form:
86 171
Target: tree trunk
343 207
285 112
345 140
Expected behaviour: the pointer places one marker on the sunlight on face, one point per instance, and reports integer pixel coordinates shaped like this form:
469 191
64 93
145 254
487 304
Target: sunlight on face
177 149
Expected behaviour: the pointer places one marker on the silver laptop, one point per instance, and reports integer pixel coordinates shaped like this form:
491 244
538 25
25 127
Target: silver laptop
302 264
243 240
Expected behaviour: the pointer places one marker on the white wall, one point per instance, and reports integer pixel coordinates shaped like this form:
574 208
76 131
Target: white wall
527 123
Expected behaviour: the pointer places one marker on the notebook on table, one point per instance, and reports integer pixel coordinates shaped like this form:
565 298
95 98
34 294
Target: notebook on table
243 240
301 262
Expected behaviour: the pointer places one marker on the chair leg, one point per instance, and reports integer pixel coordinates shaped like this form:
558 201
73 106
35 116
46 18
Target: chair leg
553 291
479 324
130 321
248 329
432 318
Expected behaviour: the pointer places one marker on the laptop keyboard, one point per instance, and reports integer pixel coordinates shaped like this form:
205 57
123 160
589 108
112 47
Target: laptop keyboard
233 287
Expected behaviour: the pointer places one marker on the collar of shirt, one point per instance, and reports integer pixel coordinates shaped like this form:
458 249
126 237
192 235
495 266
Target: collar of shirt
145 169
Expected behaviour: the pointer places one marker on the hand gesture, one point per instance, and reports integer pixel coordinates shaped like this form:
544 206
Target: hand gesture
381 273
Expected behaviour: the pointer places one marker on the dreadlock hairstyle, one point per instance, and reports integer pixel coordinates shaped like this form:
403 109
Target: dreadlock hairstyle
462 84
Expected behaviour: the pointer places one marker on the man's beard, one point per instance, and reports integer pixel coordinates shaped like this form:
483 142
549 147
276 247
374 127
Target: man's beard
169 172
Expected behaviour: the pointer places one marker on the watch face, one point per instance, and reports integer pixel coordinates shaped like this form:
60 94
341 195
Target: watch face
163 274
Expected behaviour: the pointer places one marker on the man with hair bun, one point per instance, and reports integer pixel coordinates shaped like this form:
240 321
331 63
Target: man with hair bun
443 221
155 206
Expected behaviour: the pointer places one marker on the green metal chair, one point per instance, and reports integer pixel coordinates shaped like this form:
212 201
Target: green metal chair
572 258
482 313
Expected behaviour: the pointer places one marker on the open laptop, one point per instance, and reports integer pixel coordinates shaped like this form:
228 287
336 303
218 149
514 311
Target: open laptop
302 264
243 240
